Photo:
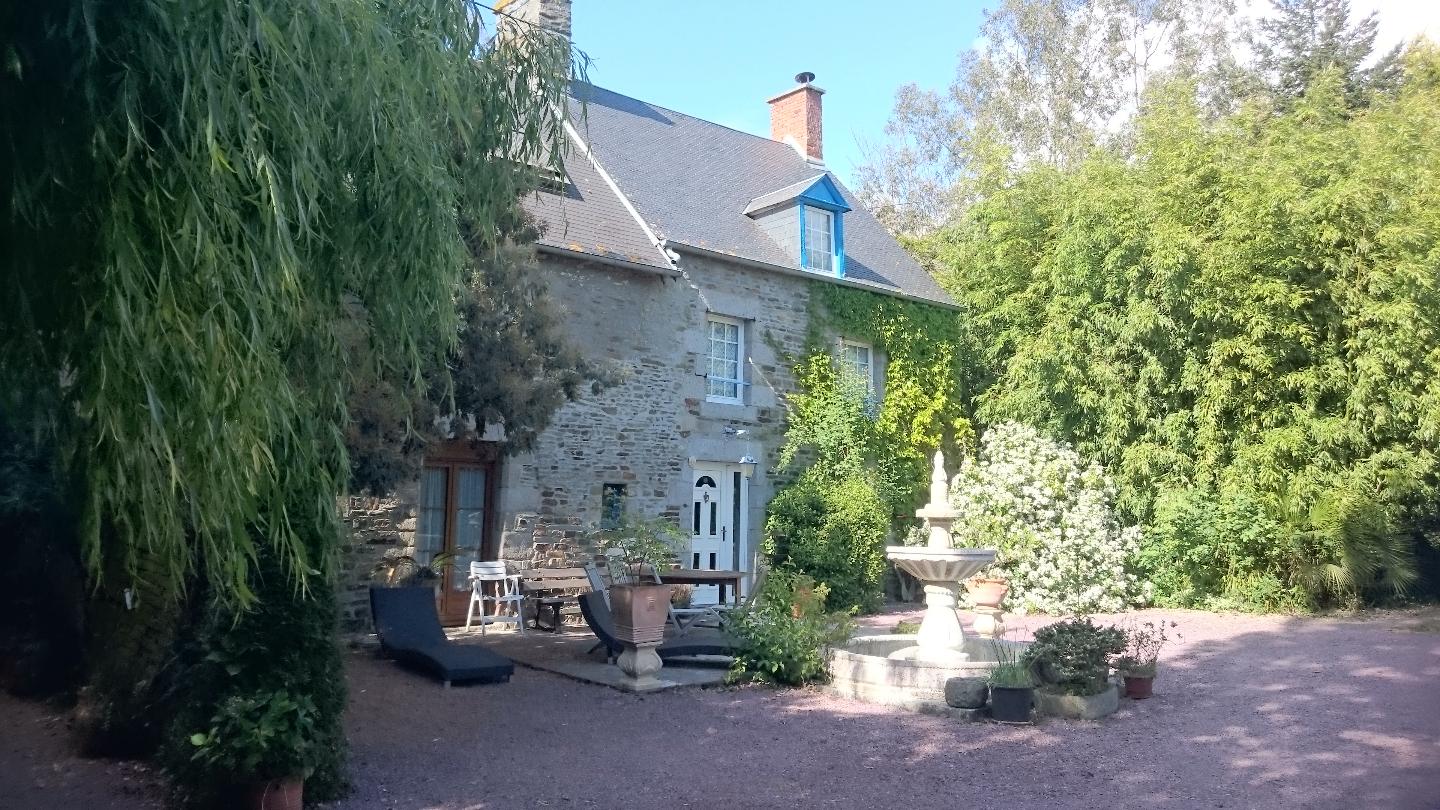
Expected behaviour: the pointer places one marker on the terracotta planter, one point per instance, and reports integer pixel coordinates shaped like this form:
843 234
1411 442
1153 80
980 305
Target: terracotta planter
1138 687
277 794
639 612
987 593
1012 704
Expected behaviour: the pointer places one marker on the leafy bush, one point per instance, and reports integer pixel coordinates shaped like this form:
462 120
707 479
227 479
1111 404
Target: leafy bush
833 531
784 636
1049 514
1073 656
1240 550
265 736
266 686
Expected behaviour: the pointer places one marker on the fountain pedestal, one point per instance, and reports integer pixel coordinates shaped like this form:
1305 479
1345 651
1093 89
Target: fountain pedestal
941 569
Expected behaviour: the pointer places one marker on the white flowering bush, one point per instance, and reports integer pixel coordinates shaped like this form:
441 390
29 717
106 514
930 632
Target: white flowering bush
1049 514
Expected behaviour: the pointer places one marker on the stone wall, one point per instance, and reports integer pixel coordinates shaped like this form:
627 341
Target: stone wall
644 433
375 527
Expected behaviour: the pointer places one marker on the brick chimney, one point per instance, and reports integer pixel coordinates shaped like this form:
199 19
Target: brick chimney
795 117
552 15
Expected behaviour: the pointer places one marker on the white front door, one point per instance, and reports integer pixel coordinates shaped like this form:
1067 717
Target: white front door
719 499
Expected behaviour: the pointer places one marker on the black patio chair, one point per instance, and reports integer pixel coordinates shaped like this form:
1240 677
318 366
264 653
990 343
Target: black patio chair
597 616
409 631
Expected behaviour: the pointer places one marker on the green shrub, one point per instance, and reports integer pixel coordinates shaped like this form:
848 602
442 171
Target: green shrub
268 736
784 636
1074 656
1240 550
833 531
265 687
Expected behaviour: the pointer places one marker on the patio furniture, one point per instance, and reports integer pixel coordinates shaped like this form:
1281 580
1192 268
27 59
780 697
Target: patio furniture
710 642
409 629
717 613
506 587
705 576
545 588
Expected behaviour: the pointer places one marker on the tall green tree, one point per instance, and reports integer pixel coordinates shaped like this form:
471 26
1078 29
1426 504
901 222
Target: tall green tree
1302 39
1245 309
1050 81
199 198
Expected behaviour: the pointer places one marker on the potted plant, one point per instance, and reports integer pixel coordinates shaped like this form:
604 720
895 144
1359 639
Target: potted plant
263 745
1012 684
403 570
987 592
1142 654
634 550
1072 660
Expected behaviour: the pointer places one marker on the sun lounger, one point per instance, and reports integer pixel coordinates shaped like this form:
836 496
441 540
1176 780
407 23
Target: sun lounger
409 631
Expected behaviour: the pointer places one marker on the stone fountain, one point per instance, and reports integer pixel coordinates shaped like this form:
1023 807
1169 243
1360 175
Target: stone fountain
911 671
941 569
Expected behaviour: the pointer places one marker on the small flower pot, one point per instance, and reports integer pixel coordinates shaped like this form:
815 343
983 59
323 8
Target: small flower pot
987 593
1012 704
277 794
1138 687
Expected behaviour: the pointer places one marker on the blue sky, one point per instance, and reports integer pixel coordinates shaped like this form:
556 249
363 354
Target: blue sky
721 60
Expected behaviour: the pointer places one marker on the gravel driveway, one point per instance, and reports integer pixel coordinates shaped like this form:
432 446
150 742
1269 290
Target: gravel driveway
1262 712
1249 712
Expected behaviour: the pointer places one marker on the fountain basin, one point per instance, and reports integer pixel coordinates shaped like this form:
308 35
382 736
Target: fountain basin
879 669
941 565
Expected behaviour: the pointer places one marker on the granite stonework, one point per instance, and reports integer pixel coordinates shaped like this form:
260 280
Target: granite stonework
644 433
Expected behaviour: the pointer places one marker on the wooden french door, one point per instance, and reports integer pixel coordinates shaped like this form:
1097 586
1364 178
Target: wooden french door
457 515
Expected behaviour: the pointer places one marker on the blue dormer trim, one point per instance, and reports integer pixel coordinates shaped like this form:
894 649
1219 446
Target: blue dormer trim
823 194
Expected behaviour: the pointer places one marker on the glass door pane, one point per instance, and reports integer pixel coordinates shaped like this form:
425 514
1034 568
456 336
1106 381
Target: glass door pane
469 522
430 522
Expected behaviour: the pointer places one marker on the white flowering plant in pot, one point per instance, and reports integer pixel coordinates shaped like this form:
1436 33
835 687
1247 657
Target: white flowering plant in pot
1050 516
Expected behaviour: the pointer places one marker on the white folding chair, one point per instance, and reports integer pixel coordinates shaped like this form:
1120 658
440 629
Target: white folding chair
506 594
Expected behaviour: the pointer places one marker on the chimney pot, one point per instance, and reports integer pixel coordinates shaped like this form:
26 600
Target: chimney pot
551 15
795 117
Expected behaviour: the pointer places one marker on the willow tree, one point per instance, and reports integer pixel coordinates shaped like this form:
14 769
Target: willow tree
202 200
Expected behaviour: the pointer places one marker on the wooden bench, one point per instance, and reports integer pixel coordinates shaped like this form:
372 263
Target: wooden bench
553 588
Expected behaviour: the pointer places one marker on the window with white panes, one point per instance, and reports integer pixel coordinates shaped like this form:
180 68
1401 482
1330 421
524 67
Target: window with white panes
724 380
858 359
819 241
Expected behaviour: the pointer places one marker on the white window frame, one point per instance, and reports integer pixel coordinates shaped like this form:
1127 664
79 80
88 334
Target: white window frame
739 380
870 382
805 250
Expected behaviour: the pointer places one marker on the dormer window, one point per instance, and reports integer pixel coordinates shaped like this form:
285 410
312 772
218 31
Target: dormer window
806 220
817 238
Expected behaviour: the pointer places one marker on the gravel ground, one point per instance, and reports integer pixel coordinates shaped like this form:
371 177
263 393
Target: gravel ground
1249 712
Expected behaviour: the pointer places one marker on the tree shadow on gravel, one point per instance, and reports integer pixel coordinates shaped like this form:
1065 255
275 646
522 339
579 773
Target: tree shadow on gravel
1249 712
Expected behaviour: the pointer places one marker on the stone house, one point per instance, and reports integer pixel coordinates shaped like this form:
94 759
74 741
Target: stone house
686 252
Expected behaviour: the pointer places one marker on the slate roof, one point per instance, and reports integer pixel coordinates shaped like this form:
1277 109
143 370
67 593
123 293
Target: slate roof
786 194
691 181
587 217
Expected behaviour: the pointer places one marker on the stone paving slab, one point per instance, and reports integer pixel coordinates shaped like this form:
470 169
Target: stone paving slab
567 653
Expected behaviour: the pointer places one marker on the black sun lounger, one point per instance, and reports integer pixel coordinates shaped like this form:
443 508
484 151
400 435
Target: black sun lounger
409 631
696 642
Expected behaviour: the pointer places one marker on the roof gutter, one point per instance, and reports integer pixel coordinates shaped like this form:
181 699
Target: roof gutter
580 255
791 271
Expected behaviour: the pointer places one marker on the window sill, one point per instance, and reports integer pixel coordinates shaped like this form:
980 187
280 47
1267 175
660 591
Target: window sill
727 409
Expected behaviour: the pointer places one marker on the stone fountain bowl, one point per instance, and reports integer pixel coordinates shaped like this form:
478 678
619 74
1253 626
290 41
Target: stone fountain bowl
941 564
875 669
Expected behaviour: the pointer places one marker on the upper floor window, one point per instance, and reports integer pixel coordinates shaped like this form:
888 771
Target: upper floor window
817 247
723 378
859 359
